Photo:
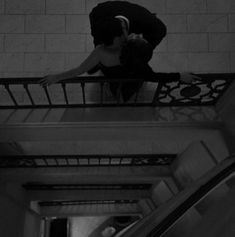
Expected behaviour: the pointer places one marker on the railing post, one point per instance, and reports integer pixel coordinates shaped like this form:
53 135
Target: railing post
65 93
83 92
11 94
29 94
101 92
157 93
47 95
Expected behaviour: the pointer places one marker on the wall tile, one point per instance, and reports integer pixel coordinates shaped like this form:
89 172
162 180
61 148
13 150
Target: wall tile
45 24
207 23
65 7
23 74
175 23
162 47
89 43
25 6
232 23
187 42
74 59
1 43
11 24
222 42
186 6
2 6
90 5
233 62
66 43
77 24
24 43
209 62
196 41
44 62
221 6
10 62
169 62
154 6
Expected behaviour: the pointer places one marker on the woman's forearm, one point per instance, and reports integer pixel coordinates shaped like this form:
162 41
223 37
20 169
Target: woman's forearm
91 61
68 74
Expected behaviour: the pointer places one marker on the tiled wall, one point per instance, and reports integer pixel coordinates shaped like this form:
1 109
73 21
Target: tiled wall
42 36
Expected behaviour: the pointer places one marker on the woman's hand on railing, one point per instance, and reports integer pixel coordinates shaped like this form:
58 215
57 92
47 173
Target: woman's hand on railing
49 80
189 77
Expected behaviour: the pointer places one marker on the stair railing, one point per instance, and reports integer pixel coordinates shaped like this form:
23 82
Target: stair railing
166 90
49 161
159 221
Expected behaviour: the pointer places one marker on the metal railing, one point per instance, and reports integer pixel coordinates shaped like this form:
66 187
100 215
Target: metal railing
165 91
162 219
47 161
86 202
38 186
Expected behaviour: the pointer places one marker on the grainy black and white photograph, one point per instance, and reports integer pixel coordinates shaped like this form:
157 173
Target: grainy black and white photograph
117 118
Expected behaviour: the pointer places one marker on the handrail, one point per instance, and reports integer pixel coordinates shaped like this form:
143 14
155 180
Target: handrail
165 216
48 161
168 91
85 202
128 186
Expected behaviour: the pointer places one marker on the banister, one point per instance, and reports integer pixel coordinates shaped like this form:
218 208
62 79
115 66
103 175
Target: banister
166 215
167 91
48 161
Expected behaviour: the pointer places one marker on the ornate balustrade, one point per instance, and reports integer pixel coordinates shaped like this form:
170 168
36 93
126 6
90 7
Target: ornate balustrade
38 186
86 202
47 161
155 92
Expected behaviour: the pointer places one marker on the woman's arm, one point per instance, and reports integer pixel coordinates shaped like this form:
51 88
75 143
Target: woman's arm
184 77
91 61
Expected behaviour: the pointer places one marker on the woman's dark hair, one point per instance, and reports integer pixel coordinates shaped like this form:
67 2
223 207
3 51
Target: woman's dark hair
135 54
108 29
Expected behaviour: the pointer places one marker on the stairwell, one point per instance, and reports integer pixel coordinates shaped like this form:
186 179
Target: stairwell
43 37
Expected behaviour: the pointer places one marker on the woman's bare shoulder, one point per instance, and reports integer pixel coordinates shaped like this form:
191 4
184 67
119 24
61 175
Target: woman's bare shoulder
99 50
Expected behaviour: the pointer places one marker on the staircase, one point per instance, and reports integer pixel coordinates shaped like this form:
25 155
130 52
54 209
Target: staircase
106 161
184 215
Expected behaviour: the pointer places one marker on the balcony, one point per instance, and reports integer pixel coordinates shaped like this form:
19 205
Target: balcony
76 163
26 93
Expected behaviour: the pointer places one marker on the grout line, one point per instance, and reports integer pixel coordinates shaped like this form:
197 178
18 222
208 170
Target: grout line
208 41
65 24
166 6
4 44
228 24
4 7
230 61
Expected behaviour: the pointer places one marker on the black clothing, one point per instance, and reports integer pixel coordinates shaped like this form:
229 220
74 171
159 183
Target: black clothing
141 20
121 89
128 89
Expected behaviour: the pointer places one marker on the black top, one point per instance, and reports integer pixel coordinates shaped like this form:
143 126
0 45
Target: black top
142 21
113 71
128 89
144 73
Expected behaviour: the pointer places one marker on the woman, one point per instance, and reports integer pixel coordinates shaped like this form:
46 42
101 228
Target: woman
121 59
